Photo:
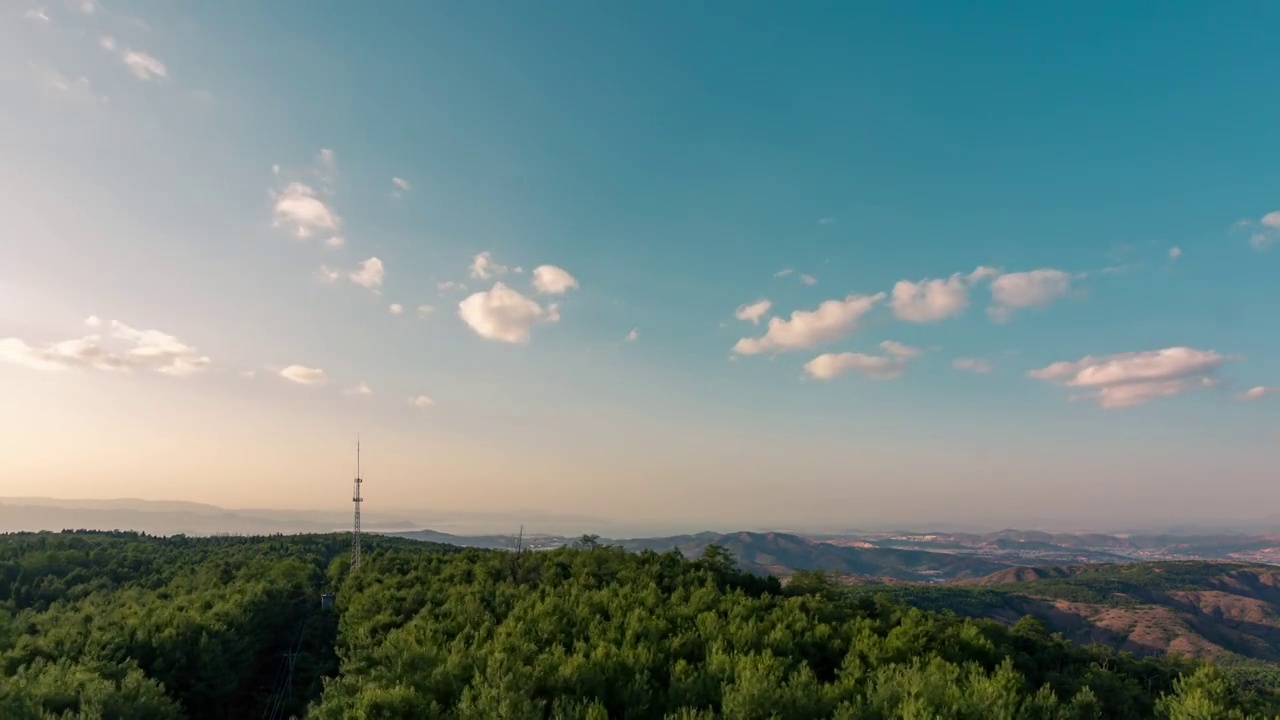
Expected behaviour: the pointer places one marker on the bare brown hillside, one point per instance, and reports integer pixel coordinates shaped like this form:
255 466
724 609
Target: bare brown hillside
1204 609
1201 609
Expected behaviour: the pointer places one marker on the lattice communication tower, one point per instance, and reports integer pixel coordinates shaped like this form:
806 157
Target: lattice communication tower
356 500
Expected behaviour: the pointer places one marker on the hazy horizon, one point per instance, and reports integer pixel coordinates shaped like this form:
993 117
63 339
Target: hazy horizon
107 514
828 266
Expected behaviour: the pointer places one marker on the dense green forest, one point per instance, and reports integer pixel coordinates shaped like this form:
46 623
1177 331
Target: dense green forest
121 625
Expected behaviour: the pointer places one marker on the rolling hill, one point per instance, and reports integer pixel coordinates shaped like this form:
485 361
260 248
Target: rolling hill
1228 611
783 554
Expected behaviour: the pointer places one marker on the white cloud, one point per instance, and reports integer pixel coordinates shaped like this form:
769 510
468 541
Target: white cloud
125 349
328 275
503 314
248 374
1257 393
783 273
483 267
86 7
929 300
829 365
336 241
449 286
424 311
1266 231
831 320
160 351
973 365
299 208
1016 291
144 66
396 308
631 336
1134 378
304 375
935 299
400 186
73 90
901 350
37 15
827 221
982 272
326 168
108 43
421 401
360 389
752 312
369 274
552 280
1175 253
808 280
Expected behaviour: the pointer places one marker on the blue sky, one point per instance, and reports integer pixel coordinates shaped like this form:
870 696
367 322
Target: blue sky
1072 200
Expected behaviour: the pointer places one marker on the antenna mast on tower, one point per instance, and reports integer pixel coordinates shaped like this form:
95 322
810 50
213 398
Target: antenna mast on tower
355 500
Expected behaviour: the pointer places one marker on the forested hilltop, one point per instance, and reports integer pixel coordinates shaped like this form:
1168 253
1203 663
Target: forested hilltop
120 625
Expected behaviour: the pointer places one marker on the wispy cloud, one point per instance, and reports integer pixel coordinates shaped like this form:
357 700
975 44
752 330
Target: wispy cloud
400 186
396 309
631 336
831 320
74 91
359 389
973 365
304 375
1257 393
1135 378
484 267
124 348
878 367
753 312
1264 232
144 66
421 401
901 350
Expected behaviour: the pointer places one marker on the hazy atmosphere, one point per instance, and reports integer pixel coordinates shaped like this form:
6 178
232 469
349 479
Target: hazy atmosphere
655 265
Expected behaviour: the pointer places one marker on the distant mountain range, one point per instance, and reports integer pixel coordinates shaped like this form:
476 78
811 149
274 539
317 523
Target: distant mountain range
911 556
